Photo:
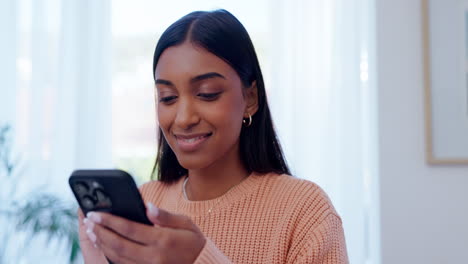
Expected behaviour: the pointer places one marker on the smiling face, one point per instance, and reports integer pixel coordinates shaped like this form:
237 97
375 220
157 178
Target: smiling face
200 104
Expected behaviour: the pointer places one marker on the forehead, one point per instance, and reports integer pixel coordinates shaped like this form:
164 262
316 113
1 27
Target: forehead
188 60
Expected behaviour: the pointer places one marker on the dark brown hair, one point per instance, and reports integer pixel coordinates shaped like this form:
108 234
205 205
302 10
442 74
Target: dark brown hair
220 33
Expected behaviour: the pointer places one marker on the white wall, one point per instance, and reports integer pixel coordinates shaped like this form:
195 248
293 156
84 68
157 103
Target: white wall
424 209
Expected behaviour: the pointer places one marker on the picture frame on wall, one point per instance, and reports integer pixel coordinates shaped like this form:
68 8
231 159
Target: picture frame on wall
445 47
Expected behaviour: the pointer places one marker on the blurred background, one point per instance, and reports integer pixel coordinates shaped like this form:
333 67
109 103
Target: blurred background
345 81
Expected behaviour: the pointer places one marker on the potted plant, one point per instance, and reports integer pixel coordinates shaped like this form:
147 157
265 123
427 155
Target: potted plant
37 213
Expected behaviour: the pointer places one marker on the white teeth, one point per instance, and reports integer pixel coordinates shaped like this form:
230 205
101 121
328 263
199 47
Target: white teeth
192 140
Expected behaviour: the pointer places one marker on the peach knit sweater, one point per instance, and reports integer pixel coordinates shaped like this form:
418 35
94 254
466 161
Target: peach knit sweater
264 219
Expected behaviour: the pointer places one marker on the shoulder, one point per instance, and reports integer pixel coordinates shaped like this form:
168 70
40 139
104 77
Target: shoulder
155 190
312 225
303 199
151 185
296 189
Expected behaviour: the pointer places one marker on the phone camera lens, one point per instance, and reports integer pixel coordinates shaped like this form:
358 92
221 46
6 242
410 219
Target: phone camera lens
80 188
102 198
87 202
96 185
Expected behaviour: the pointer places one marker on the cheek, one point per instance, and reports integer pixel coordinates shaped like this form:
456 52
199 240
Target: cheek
164 118
228 114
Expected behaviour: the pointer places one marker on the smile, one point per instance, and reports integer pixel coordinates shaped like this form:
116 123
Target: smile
190 143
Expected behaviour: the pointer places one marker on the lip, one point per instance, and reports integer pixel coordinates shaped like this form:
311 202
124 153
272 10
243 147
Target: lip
191 142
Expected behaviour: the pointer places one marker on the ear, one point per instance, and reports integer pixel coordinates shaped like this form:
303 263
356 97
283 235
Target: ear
251 96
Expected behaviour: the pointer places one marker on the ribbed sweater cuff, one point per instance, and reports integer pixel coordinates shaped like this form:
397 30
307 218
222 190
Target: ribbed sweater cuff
210 254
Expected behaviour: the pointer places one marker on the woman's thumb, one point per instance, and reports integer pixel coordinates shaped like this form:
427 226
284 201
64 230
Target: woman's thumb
163 218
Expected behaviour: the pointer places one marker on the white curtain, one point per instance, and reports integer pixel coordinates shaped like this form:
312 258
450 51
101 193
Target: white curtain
59 96
322 102
56 95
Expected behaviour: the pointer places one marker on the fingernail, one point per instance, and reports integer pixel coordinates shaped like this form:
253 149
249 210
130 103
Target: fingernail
91 235
153 210
89 224
94 217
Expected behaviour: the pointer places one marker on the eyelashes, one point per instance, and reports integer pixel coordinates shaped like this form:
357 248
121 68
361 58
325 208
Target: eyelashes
209 96
202 96
167 99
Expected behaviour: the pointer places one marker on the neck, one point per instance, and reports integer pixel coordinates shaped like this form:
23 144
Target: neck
217 179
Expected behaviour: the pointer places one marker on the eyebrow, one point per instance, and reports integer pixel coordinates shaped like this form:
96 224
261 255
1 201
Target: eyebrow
198 78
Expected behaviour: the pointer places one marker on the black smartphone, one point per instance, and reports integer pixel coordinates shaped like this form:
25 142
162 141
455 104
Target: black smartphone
110 191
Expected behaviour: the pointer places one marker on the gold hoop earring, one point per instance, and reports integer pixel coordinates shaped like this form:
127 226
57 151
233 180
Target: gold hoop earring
245 122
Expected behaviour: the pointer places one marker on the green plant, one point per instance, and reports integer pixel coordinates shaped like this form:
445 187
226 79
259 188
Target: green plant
39 213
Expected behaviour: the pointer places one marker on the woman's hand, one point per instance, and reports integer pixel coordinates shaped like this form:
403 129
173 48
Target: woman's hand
91 254
172 239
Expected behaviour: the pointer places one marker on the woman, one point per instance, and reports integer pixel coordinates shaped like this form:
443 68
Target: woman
223 193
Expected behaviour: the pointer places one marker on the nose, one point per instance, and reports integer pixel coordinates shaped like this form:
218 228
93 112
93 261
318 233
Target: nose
187 115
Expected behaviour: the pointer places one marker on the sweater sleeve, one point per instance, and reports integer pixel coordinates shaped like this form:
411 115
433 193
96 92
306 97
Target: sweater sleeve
210 254
325 244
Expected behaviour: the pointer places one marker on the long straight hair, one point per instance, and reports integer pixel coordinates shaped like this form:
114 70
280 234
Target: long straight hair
220 33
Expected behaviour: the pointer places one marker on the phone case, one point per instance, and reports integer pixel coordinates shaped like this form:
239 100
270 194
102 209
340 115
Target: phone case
111 191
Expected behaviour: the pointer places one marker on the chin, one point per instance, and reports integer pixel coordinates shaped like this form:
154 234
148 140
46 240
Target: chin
193 163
